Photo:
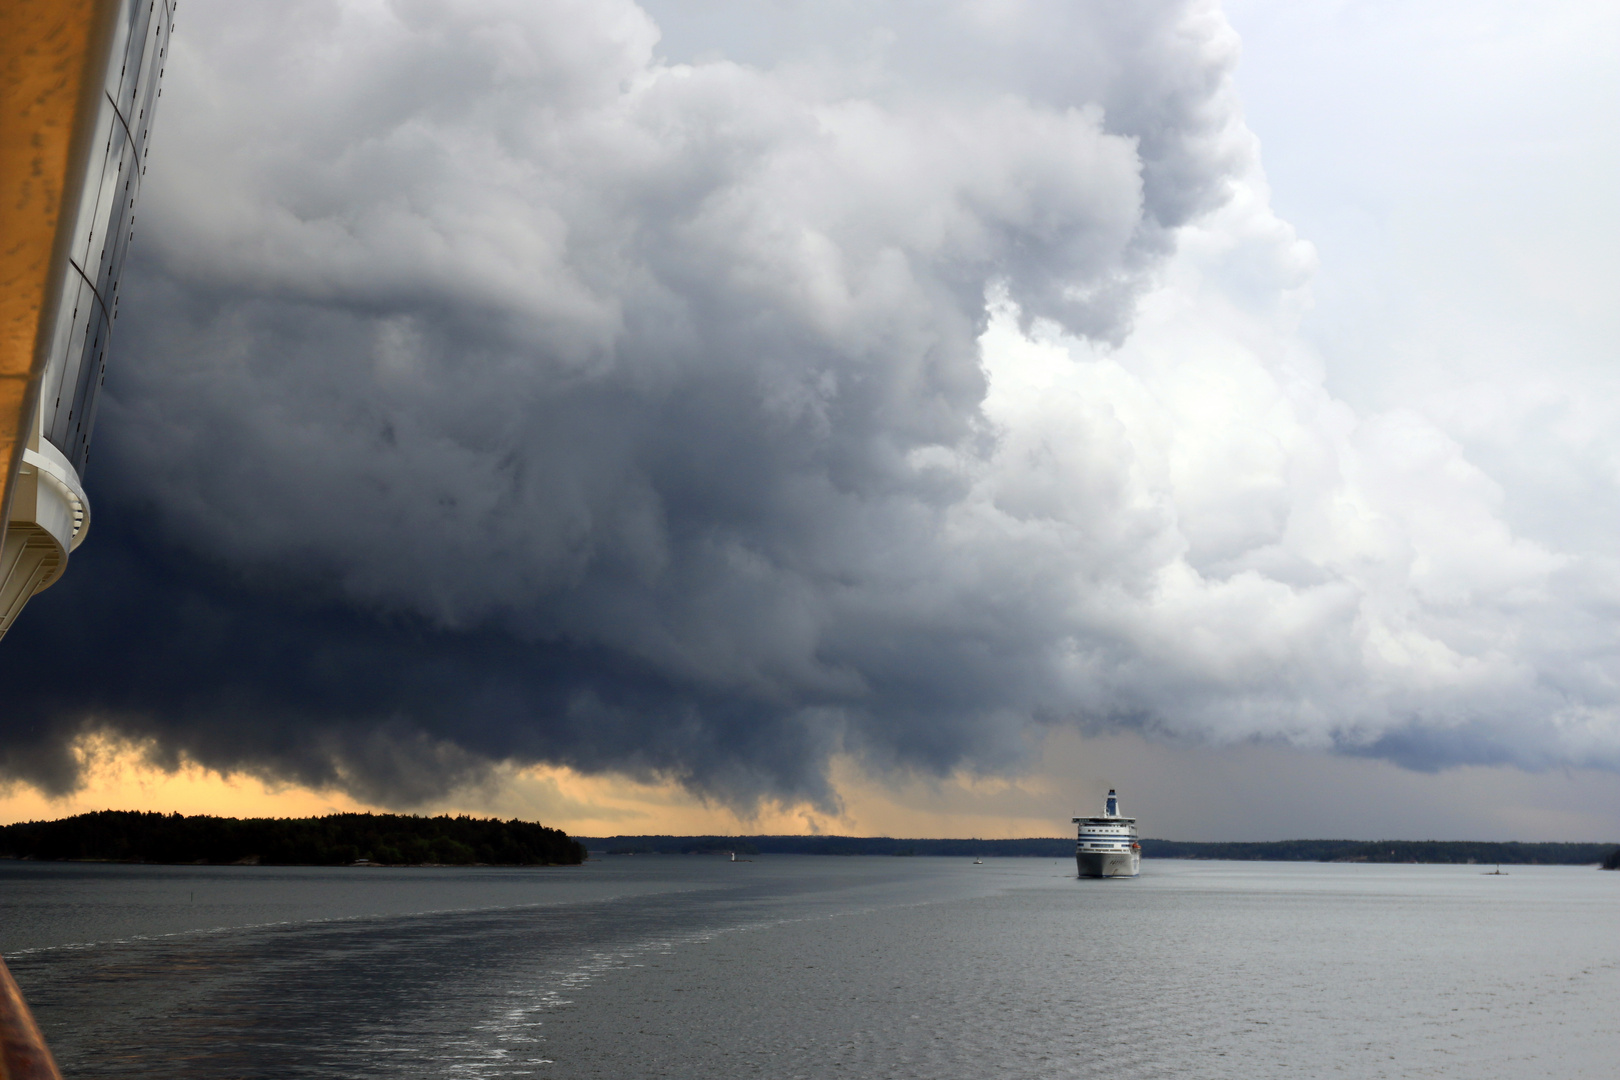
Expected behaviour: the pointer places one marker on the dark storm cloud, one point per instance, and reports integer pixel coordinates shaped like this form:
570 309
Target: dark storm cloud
493 389
206 667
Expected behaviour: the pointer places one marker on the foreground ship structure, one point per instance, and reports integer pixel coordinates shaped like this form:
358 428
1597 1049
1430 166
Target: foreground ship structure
79 83
78 88
1107 846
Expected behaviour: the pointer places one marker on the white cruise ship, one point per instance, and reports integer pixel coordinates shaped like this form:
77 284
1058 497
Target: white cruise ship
1107 846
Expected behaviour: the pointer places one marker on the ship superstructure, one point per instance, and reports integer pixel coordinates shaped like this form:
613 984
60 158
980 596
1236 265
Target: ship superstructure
80 88
1107 846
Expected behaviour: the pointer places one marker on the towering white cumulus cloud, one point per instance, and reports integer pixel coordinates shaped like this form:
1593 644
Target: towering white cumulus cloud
904 397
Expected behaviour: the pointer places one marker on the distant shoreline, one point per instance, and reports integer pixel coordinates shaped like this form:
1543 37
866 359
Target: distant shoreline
1515 853
357 865
395 840
360 840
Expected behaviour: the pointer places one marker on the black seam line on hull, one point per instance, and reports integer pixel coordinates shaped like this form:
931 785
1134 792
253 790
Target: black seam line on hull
102 304
130 135
105 318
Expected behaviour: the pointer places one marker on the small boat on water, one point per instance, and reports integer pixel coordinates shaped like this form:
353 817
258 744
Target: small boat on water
1107 846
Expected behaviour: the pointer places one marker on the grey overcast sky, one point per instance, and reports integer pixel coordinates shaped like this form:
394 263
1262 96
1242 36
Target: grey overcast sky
711 391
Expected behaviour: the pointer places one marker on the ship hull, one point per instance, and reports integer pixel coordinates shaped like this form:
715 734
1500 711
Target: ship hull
1105 864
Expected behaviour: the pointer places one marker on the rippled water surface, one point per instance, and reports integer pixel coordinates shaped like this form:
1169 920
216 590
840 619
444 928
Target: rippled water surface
689 966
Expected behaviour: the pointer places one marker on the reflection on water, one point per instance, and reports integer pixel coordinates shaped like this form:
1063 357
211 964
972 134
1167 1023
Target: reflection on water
696 967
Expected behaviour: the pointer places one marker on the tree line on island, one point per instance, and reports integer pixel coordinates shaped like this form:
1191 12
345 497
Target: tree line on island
333 840
1380 851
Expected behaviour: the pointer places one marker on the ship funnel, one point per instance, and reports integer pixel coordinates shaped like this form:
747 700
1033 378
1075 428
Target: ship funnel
1113 804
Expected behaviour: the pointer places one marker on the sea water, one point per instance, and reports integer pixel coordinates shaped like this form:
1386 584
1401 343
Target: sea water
695 966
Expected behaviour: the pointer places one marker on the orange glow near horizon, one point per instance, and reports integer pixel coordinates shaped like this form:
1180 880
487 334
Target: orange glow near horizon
120 775
1181 791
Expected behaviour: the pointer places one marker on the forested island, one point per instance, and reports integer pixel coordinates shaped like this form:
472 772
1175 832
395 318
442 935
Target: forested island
333 840
1381 851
